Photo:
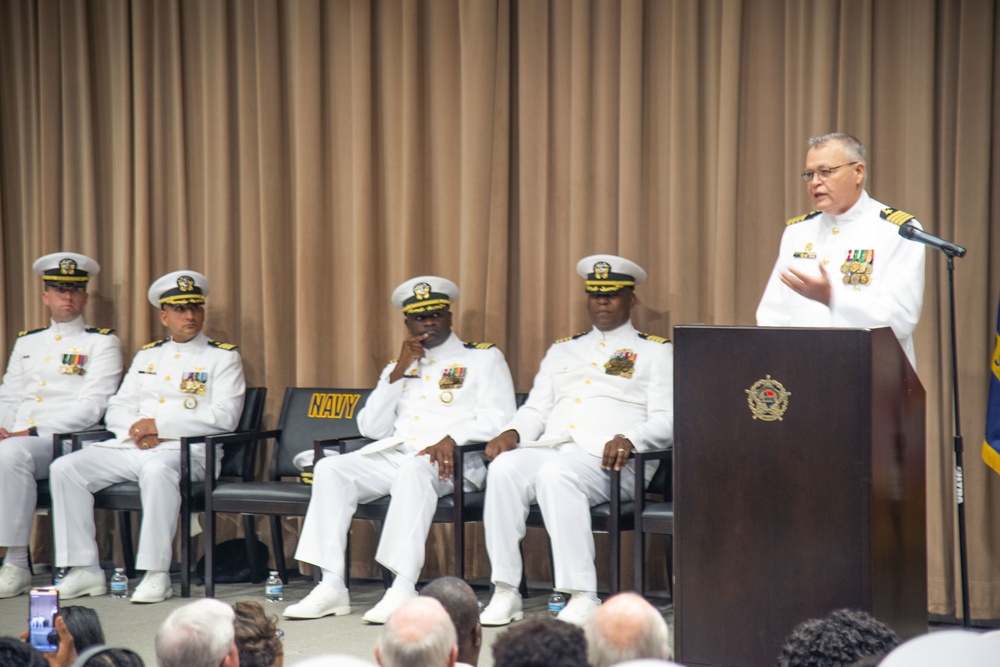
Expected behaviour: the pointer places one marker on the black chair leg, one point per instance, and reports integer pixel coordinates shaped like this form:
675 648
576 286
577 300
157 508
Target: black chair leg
209 554
458 540
523 588
669 542
128 551
250 540
278 541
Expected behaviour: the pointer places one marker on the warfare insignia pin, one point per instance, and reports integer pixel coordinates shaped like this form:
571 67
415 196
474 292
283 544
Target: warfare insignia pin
185 284
602 270
67 267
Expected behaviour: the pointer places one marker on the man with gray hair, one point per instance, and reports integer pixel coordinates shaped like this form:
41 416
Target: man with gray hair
845 265
199 634
418 634
626 627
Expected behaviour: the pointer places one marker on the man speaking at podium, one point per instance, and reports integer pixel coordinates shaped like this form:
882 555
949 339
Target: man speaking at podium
844 264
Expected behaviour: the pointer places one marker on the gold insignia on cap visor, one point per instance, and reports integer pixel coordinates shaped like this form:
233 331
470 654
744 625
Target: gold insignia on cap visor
67 267
187 292
603 281
424 300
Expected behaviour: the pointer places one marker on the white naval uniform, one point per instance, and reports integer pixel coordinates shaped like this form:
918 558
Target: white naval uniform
406 416
892 298
43 390
575 407
152 389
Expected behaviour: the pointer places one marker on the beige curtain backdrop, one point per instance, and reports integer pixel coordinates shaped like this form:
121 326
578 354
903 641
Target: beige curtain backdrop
310 155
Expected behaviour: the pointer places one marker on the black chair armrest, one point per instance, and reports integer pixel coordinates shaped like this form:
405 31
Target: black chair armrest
343 445
641 458
60 440
89 436
253 438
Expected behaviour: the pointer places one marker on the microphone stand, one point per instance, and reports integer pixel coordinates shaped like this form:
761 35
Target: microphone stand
951 251
963 558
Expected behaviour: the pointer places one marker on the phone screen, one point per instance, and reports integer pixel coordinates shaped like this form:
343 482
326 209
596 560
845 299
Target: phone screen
43 607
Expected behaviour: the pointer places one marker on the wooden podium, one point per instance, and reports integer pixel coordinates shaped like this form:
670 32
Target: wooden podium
786 517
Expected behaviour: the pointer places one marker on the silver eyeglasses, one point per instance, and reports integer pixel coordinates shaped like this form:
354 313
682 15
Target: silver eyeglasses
825 172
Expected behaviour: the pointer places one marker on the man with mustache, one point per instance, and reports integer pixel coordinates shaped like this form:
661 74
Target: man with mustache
440 393
845 264
597 396
184 385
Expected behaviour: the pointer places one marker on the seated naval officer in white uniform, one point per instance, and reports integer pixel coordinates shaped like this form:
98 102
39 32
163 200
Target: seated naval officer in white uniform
441 392
845 264
58 380
597 396
184 385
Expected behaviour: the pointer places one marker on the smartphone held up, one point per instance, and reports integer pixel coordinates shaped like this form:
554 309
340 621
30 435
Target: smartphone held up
43 607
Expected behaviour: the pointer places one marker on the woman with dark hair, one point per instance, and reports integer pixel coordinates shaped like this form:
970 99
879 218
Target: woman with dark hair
258 638
108 656
84 625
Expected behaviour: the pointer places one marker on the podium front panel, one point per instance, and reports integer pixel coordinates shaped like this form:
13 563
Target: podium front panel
774 515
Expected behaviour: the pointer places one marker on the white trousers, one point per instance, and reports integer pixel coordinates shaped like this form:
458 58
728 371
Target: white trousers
76 477
565 482
23 459
341 482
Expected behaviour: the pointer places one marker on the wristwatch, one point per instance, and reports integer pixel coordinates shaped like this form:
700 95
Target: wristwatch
33 431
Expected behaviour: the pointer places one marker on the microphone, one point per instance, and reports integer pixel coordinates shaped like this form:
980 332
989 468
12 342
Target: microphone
910 231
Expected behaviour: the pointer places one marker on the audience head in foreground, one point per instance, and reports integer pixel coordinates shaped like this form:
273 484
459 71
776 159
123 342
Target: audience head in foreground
459 600
199 634
541 641
418 634
16 653
837 640
258 639
626 627
108 656
948 647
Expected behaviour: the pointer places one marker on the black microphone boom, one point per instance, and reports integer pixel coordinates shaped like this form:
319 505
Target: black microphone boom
910 231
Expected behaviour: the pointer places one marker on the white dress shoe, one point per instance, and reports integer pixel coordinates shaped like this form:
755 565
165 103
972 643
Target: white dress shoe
154 587
322 601
578 610
393 599
79 582
14 580
503 608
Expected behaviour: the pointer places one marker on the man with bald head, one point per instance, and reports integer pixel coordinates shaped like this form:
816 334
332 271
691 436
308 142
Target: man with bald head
418 634
626 627
462 605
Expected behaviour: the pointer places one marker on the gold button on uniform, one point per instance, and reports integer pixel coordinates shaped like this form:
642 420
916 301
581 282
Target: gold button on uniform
826 260
177 356
427 378
836 231
42 382
572 426
601 344
162 399
58 337
578 400
31 422
38 399
167 378
587 381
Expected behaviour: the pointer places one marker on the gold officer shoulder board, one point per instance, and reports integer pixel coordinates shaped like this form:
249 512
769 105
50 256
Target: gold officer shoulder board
895 216
98 330
573 337
800 218
478 346
28 333
222 346
656 339
155 343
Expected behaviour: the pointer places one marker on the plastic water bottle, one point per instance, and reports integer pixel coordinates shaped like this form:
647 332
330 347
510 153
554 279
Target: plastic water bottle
119 584
60 575
557 602
272 587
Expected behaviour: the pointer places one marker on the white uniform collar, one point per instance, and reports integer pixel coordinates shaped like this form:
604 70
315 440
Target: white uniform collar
450 346
850 214
198 341
621 332
70 328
